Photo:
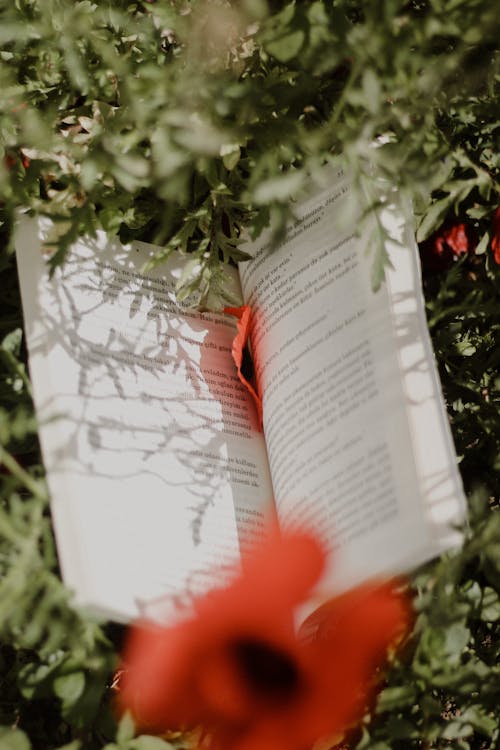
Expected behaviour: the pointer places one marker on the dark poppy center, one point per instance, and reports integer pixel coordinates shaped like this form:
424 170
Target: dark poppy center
246 364
268 671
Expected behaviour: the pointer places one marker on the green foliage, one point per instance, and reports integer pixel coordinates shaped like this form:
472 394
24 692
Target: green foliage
446 687
179 123
126 739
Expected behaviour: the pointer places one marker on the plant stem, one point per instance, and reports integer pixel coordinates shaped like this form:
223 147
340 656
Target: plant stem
35 487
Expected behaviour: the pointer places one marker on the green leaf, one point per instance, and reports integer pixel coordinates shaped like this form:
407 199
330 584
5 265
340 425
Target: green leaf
13 739
396 697
279 188
400 728
126 729
12 342
148 742
69 687
111 220
381 259
483 722
230 155
490 605
456 639
434 217
130 171
287 47
478 212
465 348
256 9
379 263
190 271
371 90
456 729
483 244
35 679
90 172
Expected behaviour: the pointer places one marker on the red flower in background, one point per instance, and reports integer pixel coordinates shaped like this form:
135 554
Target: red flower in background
455 239
10 160
445 245
241 354
238 668
495 242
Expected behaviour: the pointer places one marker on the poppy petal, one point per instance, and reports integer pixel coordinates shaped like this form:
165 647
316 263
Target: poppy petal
495 242
288 564
353 632
239 351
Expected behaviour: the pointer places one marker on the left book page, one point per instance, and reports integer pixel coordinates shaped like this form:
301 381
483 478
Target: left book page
157 470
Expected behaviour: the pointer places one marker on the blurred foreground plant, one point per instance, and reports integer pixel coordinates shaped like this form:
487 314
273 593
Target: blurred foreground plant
179 122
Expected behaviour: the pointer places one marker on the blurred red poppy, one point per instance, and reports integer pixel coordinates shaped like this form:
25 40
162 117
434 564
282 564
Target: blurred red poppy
10 161
238 668
495 242
241 354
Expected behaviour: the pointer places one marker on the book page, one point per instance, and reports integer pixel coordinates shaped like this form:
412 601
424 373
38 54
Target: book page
156 467
357 437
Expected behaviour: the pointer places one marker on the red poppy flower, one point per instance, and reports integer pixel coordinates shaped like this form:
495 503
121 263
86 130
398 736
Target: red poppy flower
10 161
445 245
238 668
495 242
241 355
455 238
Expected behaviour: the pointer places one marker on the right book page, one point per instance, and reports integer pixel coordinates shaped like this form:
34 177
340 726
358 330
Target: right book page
356 430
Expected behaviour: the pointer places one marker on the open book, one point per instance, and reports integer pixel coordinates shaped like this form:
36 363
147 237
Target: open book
159 473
